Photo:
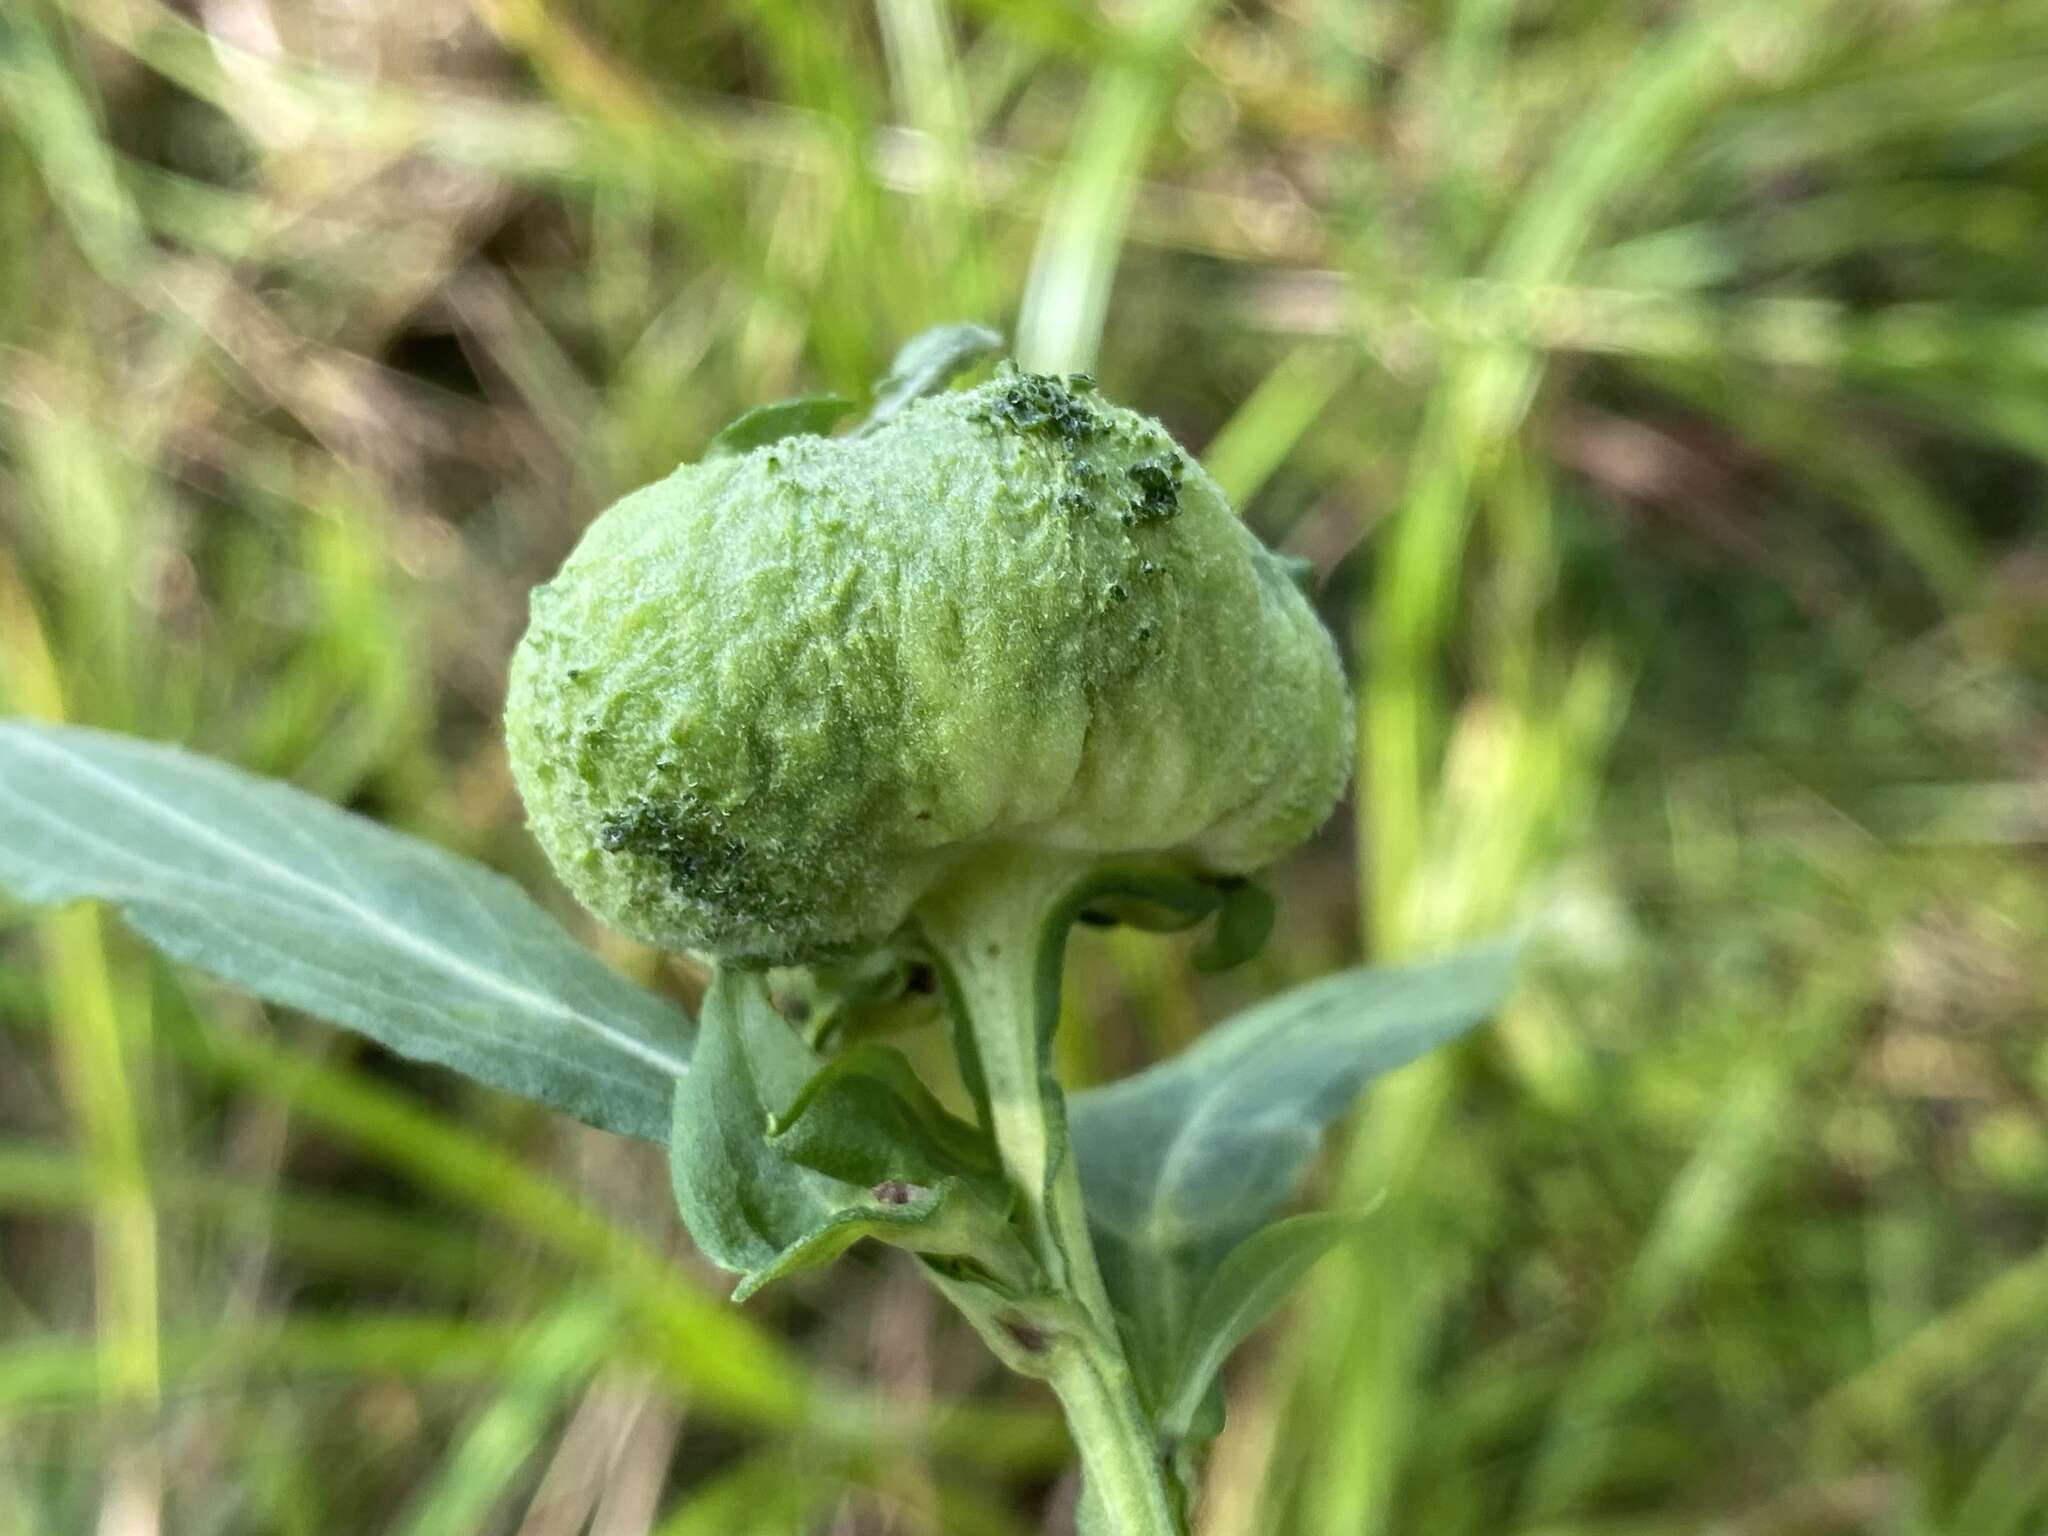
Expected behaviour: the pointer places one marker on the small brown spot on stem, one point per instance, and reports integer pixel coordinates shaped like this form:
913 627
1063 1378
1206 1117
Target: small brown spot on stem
1027 1336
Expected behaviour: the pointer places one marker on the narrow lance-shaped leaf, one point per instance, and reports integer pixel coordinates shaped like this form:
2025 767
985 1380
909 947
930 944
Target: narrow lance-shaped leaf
1183 1161
1204 1147
304 904
1253 1279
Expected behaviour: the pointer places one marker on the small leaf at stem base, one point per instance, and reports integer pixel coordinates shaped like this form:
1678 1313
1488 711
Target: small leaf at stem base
781 1161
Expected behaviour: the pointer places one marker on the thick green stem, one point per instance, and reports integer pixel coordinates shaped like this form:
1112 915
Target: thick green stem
991 930
1119 1453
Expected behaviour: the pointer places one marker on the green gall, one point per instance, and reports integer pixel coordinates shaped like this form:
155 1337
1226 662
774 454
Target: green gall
773 700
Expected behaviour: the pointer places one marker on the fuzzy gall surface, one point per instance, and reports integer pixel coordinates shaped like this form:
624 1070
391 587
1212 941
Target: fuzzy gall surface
769 701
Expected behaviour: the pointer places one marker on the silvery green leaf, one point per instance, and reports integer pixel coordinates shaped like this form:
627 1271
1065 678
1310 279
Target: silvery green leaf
815 415
1183 1161
926 363
1203 1148
782 1161
303 904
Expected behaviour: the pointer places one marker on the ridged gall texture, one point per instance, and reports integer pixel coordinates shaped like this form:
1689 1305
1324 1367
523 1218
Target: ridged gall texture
769 701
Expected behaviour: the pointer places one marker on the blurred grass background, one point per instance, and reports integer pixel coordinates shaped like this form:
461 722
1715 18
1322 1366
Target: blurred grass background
1661 394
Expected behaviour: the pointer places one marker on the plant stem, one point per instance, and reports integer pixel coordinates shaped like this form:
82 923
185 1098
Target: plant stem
1119 1453
991 931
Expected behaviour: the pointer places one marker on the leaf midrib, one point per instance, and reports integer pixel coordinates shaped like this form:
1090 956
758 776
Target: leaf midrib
446 960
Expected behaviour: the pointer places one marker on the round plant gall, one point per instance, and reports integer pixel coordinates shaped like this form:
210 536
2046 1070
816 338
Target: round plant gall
772 700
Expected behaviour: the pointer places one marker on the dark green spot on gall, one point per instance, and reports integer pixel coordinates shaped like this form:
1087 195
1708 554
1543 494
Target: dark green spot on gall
1157 497
1041 405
